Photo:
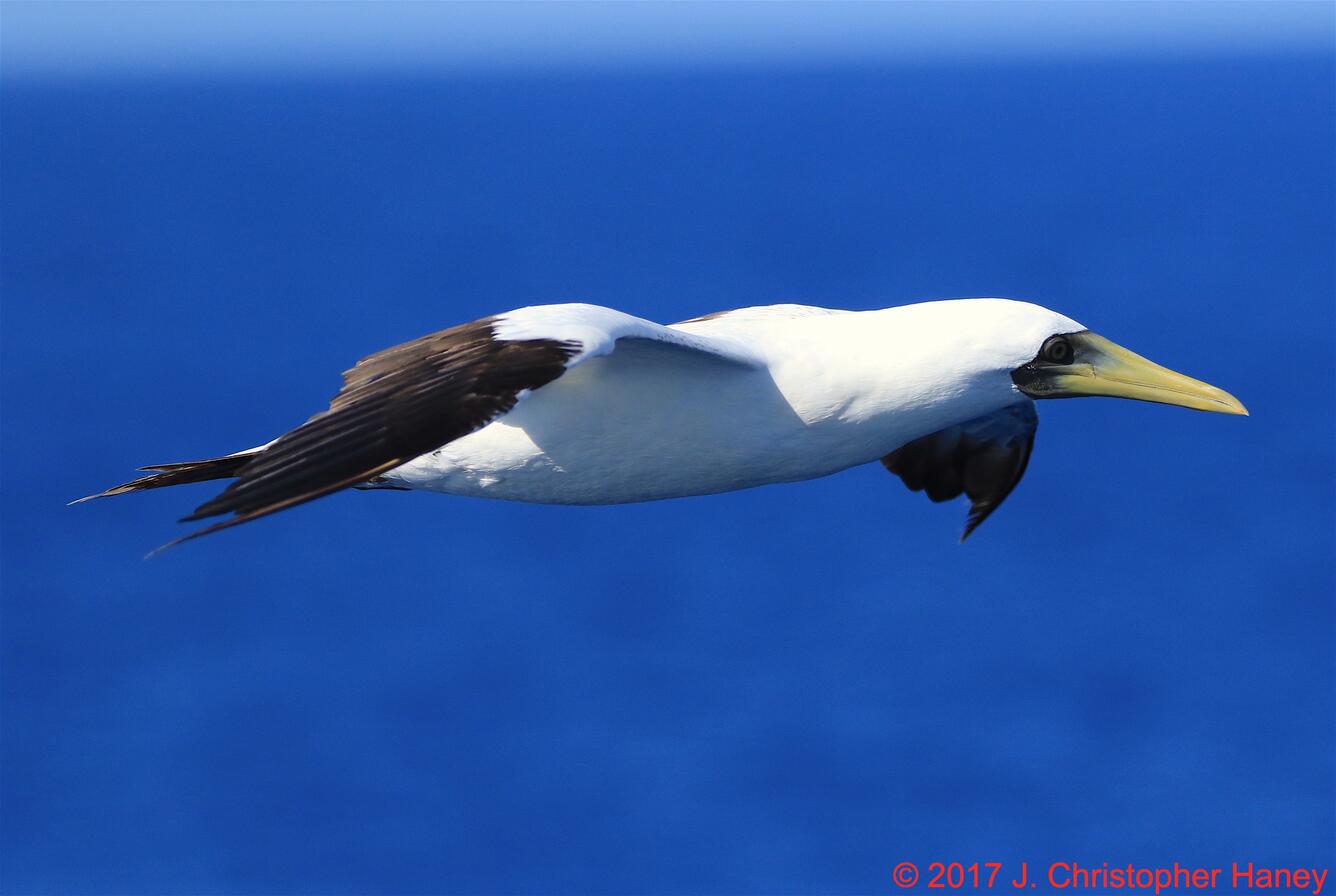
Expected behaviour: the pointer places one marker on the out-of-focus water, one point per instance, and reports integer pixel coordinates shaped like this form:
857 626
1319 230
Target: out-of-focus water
783 690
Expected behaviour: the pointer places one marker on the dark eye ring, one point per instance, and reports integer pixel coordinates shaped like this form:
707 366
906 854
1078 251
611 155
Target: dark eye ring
1057 350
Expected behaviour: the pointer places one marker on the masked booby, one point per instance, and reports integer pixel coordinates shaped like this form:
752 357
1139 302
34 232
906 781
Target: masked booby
580 404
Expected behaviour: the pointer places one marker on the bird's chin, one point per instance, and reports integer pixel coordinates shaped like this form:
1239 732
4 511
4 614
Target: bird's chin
1103 368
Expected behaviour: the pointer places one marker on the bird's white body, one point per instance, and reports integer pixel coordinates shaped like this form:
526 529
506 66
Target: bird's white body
752 397
580 404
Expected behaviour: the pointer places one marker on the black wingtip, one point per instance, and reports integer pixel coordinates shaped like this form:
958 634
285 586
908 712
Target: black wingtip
978 513
125 489
160 475
259 512
198 533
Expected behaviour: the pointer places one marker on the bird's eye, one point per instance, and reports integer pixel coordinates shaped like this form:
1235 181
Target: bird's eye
1057 350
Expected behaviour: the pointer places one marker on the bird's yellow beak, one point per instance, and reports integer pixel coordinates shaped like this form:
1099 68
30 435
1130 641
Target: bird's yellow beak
1101 367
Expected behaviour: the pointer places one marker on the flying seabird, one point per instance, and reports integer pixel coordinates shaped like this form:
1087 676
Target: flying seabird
580 404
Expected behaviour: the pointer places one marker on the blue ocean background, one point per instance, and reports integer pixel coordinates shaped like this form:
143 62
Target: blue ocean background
783 690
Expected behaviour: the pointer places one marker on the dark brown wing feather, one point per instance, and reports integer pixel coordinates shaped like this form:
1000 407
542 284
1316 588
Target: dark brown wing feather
983 459
180 473
395 405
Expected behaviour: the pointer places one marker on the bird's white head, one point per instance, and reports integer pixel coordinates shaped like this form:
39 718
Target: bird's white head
969 366
1029 349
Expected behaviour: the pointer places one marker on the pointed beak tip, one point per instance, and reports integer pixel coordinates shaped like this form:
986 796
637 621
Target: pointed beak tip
1232 406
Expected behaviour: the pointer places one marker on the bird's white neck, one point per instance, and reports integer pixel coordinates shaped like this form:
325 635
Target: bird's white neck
900 372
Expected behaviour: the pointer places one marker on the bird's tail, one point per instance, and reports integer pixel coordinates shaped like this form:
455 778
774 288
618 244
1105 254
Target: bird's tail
180 473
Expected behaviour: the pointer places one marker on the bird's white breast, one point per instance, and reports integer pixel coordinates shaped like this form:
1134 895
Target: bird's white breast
650 421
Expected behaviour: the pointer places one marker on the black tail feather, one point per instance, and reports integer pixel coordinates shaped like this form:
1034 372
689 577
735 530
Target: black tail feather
179 474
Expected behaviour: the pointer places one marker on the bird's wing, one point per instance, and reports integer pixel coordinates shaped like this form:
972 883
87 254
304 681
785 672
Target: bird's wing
405 401
982 458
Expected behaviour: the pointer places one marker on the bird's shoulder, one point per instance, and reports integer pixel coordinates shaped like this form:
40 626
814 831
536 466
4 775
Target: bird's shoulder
759 314
597 330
